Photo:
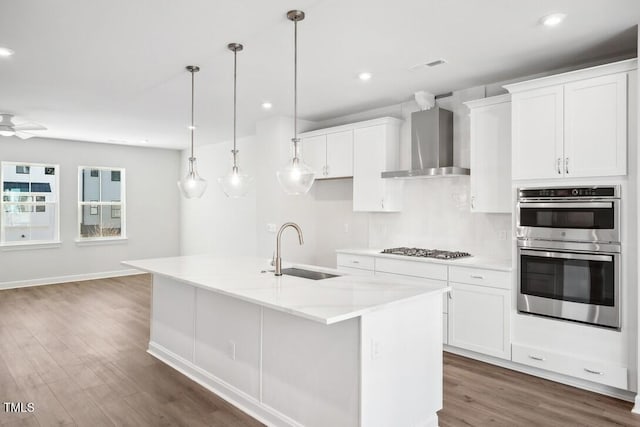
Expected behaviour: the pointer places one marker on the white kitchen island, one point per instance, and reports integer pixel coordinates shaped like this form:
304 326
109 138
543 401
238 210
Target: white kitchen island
344 351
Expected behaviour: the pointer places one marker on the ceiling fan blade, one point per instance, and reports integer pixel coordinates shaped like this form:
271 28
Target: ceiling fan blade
28 126
24 135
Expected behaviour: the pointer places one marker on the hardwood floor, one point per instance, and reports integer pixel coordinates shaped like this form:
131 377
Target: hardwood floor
77 350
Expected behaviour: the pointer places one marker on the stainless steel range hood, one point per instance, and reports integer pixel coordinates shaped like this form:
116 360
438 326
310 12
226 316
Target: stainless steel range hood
431 146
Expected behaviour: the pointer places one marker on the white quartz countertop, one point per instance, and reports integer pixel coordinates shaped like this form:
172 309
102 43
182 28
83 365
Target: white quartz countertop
472 261
326 301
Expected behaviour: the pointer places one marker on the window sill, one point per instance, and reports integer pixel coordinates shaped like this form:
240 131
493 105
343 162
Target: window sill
101 241
25 246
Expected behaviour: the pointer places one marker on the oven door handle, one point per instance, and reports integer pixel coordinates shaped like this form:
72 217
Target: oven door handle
567 205
565 255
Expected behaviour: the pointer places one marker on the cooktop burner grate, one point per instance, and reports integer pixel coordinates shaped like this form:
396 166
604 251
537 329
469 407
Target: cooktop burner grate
426 253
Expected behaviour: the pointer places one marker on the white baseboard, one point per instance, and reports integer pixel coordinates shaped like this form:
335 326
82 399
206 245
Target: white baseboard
241 400
70 278
629 396
636 407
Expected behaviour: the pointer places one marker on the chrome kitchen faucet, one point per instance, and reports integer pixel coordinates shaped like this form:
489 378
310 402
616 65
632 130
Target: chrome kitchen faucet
278 244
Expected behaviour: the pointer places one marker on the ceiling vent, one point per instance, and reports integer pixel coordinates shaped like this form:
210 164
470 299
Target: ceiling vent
428 64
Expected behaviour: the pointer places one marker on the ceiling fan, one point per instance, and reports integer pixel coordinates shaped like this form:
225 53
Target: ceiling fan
9 128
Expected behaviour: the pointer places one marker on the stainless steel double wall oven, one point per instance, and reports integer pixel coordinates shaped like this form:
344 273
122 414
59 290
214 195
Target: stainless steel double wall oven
569 253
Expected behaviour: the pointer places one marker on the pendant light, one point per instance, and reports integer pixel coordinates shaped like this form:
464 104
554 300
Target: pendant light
235 183
192 186
295 177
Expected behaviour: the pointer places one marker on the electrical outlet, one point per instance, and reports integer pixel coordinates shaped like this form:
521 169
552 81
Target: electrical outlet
502 235
271 228
232 350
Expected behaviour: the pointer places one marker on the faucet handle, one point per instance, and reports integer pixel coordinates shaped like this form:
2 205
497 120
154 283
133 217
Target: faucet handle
273 259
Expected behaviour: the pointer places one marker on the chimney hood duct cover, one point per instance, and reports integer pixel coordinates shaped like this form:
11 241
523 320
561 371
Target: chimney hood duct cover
431 146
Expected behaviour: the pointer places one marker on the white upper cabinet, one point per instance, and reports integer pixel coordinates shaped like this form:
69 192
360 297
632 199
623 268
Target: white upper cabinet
339 154
375 150
314 151
491 154
330 155
537 133
572 124
595 129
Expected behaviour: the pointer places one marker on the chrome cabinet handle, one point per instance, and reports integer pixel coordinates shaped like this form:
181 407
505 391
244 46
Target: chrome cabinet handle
593 372
566 165
473 202
477 276
356 262
326 170
541 359
450 294
558 162
382 203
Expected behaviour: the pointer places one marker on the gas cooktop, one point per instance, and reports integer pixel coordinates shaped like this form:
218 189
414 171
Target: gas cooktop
426 253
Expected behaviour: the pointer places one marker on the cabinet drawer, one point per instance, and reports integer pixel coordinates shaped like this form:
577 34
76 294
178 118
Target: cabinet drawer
599 372
412 268
354 271
480 276
356 261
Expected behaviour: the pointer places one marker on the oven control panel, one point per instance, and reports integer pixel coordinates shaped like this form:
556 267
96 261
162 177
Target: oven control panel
569 192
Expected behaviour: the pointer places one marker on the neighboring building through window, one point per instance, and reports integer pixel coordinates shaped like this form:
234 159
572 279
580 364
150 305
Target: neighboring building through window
29 211
101 208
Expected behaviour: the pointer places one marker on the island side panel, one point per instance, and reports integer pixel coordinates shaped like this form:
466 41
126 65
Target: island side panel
311 370
228 340
172 326
402 364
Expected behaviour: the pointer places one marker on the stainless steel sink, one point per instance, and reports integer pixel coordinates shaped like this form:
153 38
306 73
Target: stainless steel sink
308 274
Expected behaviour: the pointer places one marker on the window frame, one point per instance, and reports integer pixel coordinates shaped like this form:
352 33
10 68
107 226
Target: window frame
102 204
56 241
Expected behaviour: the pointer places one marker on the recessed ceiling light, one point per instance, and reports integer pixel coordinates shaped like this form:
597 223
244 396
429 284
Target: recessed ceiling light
365 76
5 52
267 105
553 19
428 64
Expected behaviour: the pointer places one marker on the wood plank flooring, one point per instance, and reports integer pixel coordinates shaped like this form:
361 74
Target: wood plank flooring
77 350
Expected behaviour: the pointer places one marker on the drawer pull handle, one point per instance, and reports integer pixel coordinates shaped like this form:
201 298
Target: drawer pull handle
356 262
477 276
593 372
541 359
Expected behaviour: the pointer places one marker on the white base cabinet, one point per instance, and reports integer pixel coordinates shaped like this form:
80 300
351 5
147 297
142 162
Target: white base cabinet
479 319
599 372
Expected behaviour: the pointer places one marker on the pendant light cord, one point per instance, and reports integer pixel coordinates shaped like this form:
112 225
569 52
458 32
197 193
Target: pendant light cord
192 108
235 108
295 81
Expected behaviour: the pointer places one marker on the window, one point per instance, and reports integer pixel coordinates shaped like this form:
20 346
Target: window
101 208
29 204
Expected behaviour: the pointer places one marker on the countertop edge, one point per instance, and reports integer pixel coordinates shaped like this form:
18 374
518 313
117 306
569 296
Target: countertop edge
479 262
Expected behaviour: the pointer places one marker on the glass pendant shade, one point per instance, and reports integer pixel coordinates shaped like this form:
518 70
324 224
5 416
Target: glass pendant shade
235 183
296 177
192 186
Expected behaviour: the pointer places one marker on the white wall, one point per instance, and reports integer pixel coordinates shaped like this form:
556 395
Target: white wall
151 176
215 223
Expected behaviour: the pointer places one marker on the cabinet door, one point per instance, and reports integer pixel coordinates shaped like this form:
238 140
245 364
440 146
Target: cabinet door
340 154
479 319
368 164
595 139
491 158
537 133
314 153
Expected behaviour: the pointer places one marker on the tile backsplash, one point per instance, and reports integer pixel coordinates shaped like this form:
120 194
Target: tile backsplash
436 215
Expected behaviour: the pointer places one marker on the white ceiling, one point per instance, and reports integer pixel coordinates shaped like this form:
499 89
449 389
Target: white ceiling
100 71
